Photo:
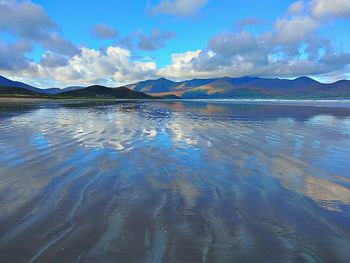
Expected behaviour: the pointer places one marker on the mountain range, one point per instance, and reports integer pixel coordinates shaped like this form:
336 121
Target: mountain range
101 91
245 87
5 82
15 88
215 88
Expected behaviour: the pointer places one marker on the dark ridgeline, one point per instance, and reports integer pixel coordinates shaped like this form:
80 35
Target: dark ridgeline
15 88
101 91
17 91
7 83
246 87
215 88
4 82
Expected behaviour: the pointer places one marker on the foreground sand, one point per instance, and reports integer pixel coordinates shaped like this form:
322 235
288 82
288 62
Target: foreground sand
173 182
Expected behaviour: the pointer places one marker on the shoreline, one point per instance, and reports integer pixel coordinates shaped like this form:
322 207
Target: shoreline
290 102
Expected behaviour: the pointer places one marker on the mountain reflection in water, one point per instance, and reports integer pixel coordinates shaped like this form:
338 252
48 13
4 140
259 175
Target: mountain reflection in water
174 182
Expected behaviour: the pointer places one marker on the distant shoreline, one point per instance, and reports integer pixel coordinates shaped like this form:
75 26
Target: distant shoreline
22 99
287 102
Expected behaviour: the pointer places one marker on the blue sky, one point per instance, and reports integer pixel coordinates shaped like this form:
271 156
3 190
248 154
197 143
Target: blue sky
115 42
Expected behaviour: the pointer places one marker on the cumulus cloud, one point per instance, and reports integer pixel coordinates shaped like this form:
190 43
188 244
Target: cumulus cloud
52 60
63 63
295 29
114 66
181 66
266 60
296 8
103 31
291 48
12 55
29 24
24 19
179 7
229 44
56 43
330 8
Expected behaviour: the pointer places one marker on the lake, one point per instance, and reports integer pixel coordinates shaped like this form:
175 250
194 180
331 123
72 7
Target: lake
174 181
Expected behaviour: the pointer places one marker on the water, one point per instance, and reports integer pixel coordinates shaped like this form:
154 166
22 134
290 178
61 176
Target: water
174 182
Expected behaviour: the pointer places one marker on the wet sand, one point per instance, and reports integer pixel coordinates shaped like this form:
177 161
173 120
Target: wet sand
174 182
19 100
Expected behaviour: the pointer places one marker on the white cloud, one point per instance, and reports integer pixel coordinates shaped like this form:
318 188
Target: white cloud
25 19
291 48
256 63
52 60
113 66
179 7
181 66
295 29
296 8
330 8
29 25
239 43
12 56
54 42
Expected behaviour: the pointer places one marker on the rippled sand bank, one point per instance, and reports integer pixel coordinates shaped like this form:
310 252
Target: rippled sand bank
174 182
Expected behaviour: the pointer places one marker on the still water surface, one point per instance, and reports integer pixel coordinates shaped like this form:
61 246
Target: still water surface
174 182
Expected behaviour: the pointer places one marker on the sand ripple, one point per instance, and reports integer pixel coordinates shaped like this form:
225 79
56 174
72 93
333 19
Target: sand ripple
174 182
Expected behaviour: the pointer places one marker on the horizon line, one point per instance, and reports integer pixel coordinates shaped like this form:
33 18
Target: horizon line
177 81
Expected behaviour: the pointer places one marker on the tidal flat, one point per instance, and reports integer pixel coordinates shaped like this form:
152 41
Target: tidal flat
174 181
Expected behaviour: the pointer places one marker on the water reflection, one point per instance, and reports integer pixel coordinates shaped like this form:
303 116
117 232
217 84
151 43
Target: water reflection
174 182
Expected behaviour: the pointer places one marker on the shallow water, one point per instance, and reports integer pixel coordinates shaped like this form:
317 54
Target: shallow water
174 182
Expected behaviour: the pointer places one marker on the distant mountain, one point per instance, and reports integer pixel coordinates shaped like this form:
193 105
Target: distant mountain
215 88
54 91
15 88
104 92
154 86
17 91
245 87
162 85
5 82
51 91
71 88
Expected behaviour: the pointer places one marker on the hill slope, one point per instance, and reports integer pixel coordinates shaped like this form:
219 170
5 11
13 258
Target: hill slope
17 91
104 92
5 82
215 88
246 87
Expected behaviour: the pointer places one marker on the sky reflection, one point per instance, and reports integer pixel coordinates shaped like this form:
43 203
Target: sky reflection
176 181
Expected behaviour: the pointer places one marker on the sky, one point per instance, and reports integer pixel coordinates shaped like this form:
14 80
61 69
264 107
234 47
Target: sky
117 42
